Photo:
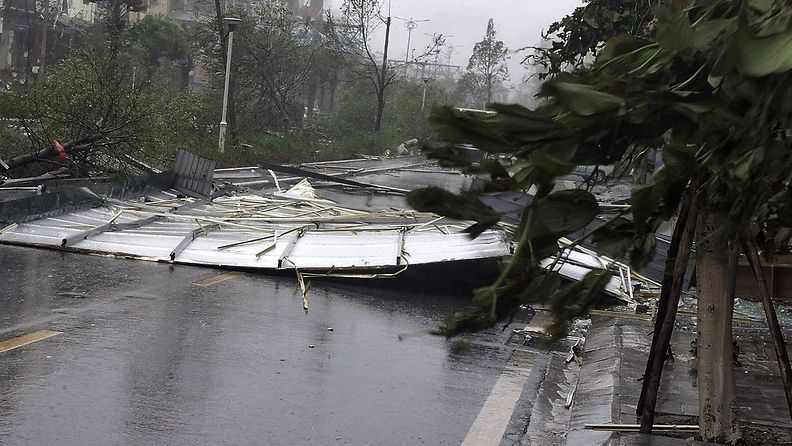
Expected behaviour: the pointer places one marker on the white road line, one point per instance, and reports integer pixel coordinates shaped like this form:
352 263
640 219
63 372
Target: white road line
491 423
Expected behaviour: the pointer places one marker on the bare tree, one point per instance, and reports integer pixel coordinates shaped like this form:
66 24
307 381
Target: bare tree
353 39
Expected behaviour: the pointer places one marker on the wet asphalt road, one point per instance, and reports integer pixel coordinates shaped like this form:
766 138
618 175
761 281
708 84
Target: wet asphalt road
146 357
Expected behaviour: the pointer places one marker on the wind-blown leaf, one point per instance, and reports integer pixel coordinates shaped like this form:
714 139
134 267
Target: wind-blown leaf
615 238
677 34
458 126
585 100
447 155
490 166
768 55
709 30
577 298
563 212
465 206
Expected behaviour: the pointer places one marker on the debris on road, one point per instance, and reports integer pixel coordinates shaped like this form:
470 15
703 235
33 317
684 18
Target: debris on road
576 261
171 218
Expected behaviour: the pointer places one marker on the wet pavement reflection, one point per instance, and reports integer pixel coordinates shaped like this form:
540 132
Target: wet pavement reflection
146 357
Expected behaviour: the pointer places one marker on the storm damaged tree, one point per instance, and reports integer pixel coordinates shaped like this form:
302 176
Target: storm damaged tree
115 17
100 106
90 111
583 33
275 62
487 65
711 86
274 55
353 39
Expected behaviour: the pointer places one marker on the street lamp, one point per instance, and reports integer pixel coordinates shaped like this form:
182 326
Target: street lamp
232 24
426 83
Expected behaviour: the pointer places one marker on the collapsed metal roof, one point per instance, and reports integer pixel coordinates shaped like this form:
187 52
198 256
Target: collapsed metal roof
350 220
273 229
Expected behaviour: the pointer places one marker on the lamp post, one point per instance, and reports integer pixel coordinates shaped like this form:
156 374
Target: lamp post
426 83
232 24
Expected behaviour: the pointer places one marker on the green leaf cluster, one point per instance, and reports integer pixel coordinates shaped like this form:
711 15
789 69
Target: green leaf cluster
710 86
582 34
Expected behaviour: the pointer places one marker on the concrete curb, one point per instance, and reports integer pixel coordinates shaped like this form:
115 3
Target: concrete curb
596 398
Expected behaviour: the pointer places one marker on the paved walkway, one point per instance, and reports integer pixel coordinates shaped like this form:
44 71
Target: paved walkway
609 386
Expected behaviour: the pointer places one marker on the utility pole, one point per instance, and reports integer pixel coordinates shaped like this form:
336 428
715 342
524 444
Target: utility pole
426 83
382 81
410 24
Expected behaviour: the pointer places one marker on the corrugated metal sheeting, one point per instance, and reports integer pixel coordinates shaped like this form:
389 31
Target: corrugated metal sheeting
259 231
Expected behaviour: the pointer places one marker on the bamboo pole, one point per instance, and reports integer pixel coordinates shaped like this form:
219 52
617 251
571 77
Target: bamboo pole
676 266
772 321
636 427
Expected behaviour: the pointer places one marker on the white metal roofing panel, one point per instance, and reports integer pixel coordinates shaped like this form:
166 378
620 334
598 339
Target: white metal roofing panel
160 253
250 226
345 250
432 247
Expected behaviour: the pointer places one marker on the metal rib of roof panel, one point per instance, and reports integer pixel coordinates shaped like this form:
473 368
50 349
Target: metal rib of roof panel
260 232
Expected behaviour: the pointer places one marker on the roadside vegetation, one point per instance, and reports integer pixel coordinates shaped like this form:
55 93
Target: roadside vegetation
302 89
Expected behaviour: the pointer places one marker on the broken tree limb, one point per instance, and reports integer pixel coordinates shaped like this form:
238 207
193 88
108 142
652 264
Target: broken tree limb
320 176
772 320
674 275
81 144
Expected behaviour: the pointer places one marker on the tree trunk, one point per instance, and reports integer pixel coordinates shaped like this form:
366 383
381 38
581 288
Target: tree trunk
489 91
310 100
378 117
717 400
79 145
332 89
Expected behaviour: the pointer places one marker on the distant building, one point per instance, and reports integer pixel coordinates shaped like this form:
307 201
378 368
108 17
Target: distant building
306 8
29 28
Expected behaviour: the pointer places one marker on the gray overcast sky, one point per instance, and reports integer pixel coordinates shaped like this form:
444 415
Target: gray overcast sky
518 22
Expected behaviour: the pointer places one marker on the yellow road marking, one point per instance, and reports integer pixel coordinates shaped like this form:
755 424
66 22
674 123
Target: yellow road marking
217 279
27 339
